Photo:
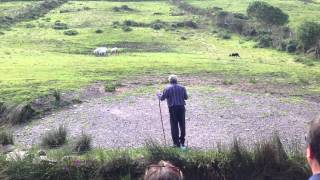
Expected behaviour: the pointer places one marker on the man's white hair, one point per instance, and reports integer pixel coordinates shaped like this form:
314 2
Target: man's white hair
173 78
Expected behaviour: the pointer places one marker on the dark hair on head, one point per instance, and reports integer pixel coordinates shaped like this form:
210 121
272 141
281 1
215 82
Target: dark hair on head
313 138
163 171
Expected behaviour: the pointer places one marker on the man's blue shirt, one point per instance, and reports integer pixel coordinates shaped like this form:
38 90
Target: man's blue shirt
315 177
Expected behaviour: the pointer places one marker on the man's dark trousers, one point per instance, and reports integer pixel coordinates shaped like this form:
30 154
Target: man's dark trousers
177 120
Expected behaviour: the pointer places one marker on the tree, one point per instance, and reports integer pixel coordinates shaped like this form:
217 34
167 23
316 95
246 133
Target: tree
267 14
309 34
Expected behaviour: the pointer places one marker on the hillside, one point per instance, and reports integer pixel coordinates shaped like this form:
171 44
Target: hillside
247 111
298 10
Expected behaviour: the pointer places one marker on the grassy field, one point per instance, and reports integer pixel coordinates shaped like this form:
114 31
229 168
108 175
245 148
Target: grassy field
296 9
37 60
6 7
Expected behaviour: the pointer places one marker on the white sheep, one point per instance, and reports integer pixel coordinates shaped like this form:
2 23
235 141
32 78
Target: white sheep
114 50
101 51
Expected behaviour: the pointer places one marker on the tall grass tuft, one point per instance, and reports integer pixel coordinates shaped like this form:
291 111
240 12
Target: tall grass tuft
83 144
6 138
55 138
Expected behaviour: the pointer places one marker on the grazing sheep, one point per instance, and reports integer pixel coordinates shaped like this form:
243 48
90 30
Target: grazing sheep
114 50
234 55
101 51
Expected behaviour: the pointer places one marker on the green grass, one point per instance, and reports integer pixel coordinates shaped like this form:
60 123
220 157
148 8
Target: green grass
34 61
6 7
296 9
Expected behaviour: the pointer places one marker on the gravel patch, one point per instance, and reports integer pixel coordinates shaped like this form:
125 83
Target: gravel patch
214 116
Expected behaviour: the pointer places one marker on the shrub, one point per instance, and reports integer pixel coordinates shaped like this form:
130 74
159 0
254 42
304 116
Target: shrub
191 24
71 32
115 24
99 31
156 26
126 28
309 34
30 25
291 46
6 137
59 25
133 23
21 113
224 35
122 8
55 138
240 16
83 144
262 11
304 60
264 40
111 86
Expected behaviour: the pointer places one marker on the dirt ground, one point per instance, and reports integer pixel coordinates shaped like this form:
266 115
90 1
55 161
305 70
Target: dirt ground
214 115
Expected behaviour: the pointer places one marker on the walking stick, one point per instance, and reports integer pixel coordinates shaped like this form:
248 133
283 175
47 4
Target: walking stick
164 135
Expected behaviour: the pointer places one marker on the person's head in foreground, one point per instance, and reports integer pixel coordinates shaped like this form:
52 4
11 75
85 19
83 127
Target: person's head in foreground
173 79
313 149
163 171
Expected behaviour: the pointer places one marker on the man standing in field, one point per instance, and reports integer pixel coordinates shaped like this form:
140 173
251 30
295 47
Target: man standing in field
313 149
176 95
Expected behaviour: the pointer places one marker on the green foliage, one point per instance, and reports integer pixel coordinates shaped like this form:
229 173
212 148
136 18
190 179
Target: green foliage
122 8
71 32
264 40
55 138
265 159
58 25
304 60
224 35
291 46
126 28
267 13
111 86
309 34
6 137
99 31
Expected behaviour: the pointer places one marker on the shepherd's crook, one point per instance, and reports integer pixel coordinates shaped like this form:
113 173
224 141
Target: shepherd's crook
164 135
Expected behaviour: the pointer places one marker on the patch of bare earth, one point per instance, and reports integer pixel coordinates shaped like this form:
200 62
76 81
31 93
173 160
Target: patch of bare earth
214 115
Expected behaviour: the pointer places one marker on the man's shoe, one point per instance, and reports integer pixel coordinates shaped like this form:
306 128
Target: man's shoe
182 147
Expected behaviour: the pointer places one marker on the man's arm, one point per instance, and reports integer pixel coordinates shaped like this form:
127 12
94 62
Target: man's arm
185 94
164 95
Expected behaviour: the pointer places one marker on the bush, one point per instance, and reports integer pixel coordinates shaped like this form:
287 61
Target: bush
240 16
291 46
264 12
6 138
55 138
99 31
60 26
264 40
191 24
126 28
224 35
133 23
111 86
30 25
309 34
156 26
122 8
304 60
71 32
21 113
83 144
